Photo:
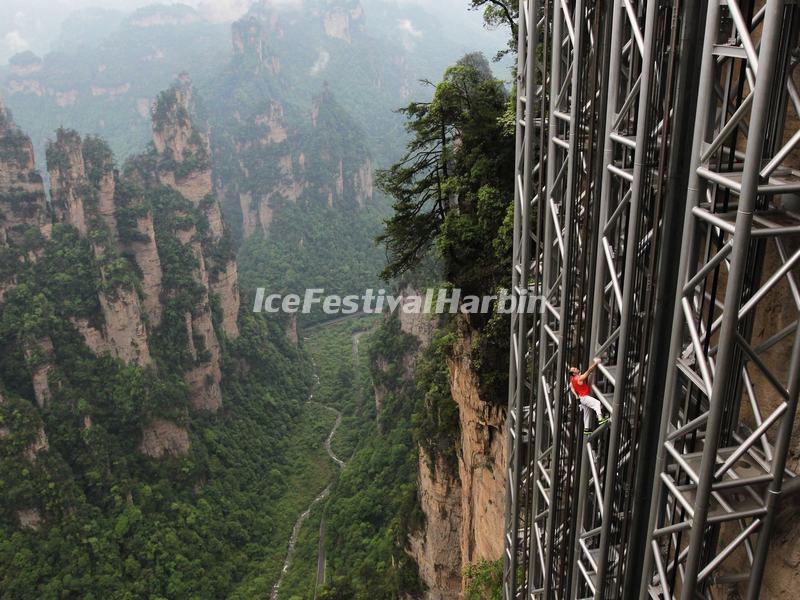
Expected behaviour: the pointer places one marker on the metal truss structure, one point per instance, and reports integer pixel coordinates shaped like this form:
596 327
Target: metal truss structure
635 116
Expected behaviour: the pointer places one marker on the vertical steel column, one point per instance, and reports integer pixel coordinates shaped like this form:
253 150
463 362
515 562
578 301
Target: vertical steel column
712 470
636 139
722 385
589 490
517 473
681 100
576 68
718 475
551 340
626 368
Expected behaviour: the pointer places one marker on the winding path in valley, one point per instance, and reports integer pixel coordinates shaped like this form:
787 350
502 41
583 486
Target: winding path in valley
324 494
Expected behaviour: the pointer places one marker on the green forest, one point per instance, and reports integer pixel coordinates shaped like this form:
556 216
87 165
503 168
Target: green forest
84 512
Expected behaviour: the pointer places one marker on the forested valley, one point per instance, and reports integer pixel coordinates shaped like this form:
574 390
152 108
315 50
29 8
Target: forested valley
161 439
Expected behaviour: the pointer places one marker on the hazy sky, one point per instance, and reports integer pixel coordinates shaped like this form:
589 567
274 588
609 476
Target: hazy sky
35 24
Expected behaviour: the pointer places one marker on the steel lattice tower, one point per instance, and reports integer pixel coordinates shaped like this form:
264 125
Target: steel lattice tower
635 116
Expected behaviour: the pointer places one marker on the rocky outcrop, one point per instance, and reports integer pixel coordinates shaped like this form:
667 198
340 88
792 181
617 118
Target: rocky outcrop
24 64
436 547
68 183
337 25
290 186
29 518
173 130
184 152
252 36
343 20
83 186
257 211
40 359
106 208
123 328
349 178
92 337
204 378
481 461
440 544
164 438
418 324
322 167
363 184
184 158
291 330
463 505
22 199
273 124
224 284
123 332
142 246
37 446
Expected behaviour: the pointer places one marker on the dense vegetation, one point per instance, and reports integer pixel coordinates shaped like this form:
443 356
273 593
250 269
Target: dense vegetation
214 523
373 506
451 193
111 522
484 581
340 353
313 241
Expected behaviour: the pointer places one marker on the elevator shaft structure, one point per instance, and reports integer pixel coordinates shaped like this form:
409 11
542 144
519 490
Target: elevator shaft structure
657 222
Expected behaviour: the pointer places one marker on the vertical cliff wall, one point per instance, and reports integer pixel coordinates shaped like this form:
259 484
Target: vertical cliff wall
123 288
181 162
184 164
462 500
83 184
481 460
22 198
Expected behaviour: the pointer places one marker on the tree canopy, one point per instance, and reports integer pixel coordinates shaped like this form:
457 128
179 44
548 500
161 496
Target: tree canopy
451 187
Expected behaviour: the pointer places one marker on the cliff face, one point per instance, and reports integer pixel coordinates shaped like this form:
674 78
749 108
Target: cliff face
22 199
68 182
276 152
463 507
340 171
184 164
481 461
141 244
125 287
309 165
436 548
83 187
342 20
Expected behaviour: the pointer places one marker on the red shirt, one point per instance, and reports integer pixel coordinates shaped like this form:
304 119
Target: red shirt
582 389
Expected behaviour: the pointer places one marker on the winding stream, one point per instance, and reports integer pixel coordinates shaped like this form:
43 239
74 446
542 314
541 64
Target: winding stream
324 494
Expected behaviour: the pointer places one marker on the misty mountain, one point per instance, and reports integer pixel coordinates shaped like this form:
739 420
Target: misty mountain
106 69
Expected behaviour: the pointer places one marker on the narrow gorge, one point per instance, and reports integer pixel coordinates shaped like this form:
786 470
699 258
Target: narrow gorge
157 435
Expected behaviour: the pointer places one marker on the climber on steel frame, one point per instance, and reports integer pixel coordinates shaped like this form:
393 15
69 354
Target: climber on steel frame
579 384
